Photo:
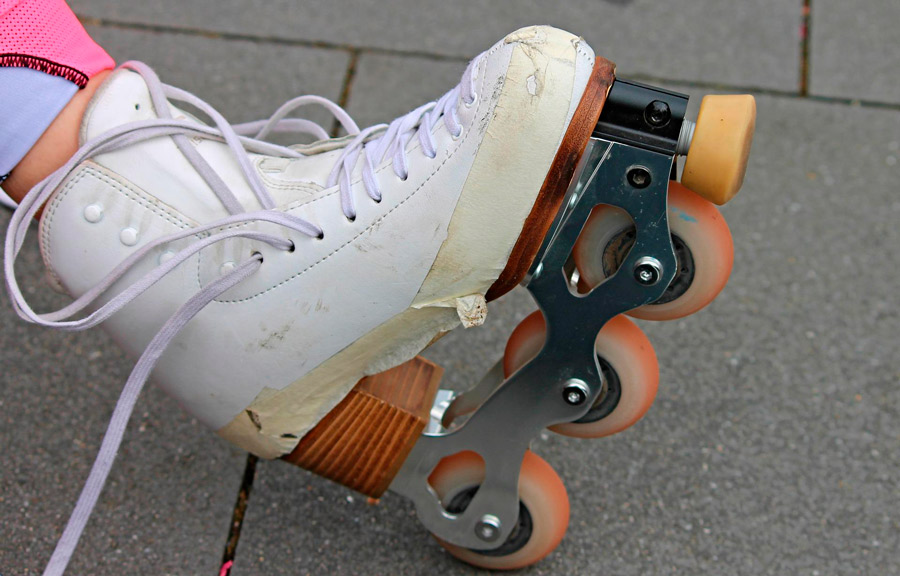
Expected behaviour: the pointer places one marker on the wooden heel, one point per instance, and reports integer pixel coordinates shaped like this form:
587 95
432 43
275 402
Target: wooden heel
364 440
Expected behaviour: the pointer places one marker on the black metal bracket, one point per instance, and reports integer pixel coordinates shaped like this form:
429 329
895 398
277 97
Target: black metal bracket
642 116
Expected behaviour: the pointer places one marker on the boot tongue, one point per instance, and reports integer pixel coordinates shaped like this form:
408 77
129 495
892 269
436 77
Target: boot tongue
122 99
156 166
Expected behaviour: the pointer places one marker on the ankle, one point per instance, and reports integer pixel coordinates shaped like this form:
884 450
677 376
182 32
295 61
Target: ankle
57 144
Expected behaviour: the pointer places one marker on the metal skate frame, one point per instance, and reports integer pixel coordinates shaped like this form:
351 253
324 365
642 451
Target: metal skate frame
498 418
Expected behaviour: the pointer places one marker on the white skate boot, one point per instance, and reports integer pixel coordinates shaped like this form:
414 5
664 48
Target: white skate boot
362 250
261 284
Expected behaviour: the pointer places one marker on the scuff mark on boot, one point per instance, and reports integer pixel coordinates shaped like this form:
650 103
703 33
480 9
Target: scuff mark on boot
254 418
532 85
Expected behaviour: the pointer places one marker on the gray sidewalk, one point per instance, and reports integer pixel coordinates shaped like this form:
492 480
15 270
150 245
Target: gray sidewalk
774 443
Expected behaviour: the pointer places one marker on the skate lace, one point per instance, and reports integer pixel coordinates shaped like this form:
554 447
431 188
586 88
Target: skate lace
391 141
370 146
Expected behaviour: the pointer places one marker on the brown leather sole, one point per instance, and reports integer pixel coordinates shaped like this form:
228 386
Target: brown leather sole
558 177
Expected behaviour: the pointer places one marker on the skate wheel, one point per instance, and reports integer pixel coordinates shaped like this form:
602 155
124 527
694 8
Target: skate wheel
717 158
543 509
703 248
705 254
630 371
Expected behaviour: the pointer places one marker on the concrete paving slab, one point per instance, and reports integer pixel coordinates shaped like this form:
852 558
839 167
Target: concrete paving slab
773 445
167 506
748 43
856 50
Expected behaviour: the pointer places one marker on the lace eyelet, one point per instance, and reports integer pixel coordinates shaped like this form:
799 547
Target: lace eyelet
470 103
321 235
458 134
292 248
349 219
378 200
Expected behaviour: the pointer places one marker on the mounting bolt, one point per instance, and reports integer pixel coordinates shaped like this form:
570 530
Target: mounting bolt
639 177
657 114
576 392
488 528
647 271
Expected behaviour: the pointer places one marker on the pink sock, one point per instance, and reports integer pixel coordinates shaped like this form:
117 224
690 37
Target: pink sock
45 35
46 55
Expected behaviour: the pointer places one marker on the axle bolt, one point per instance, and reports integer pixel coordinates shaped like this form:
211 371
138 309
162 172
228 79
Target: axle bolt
647 271
576 392
488 528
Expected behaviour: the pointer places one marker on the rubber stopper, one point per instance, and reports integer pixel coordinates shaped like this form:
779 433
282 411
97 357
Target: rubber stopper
717 158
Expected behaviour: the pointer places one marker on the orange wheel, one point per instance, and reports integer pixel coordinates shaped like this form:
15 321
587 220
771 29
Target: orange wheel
703 248
543 509
630 373
524 343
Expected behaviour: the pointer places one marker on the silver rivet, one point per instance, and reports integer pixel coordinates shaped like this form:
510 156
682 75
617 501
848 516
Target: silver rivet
226 268
488 528
129 236
166 256
93 213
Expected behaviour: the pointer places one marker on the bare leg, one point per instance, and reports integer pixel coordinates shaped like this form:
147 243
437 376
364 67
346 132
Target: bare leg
58 143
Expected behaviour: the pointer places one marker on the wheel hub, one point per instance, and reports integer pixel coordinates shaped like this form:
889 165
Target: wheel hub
617 249
609 395
519 536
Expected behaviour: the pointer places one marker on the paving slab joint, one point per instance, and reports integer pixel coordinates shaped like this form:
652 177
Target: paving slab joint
805 31
237 516
346 87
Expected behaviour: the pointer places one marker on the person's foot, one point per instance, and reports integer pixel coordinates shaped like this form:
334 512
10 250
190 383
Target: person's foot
349 256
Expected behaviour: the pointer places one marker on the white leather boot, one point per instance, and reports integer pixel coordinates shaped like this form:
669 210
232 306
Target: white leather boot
398 234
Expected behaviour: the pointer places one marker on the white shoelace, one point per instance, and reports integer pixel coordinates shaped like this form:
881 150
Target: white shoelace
7 201
374 144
